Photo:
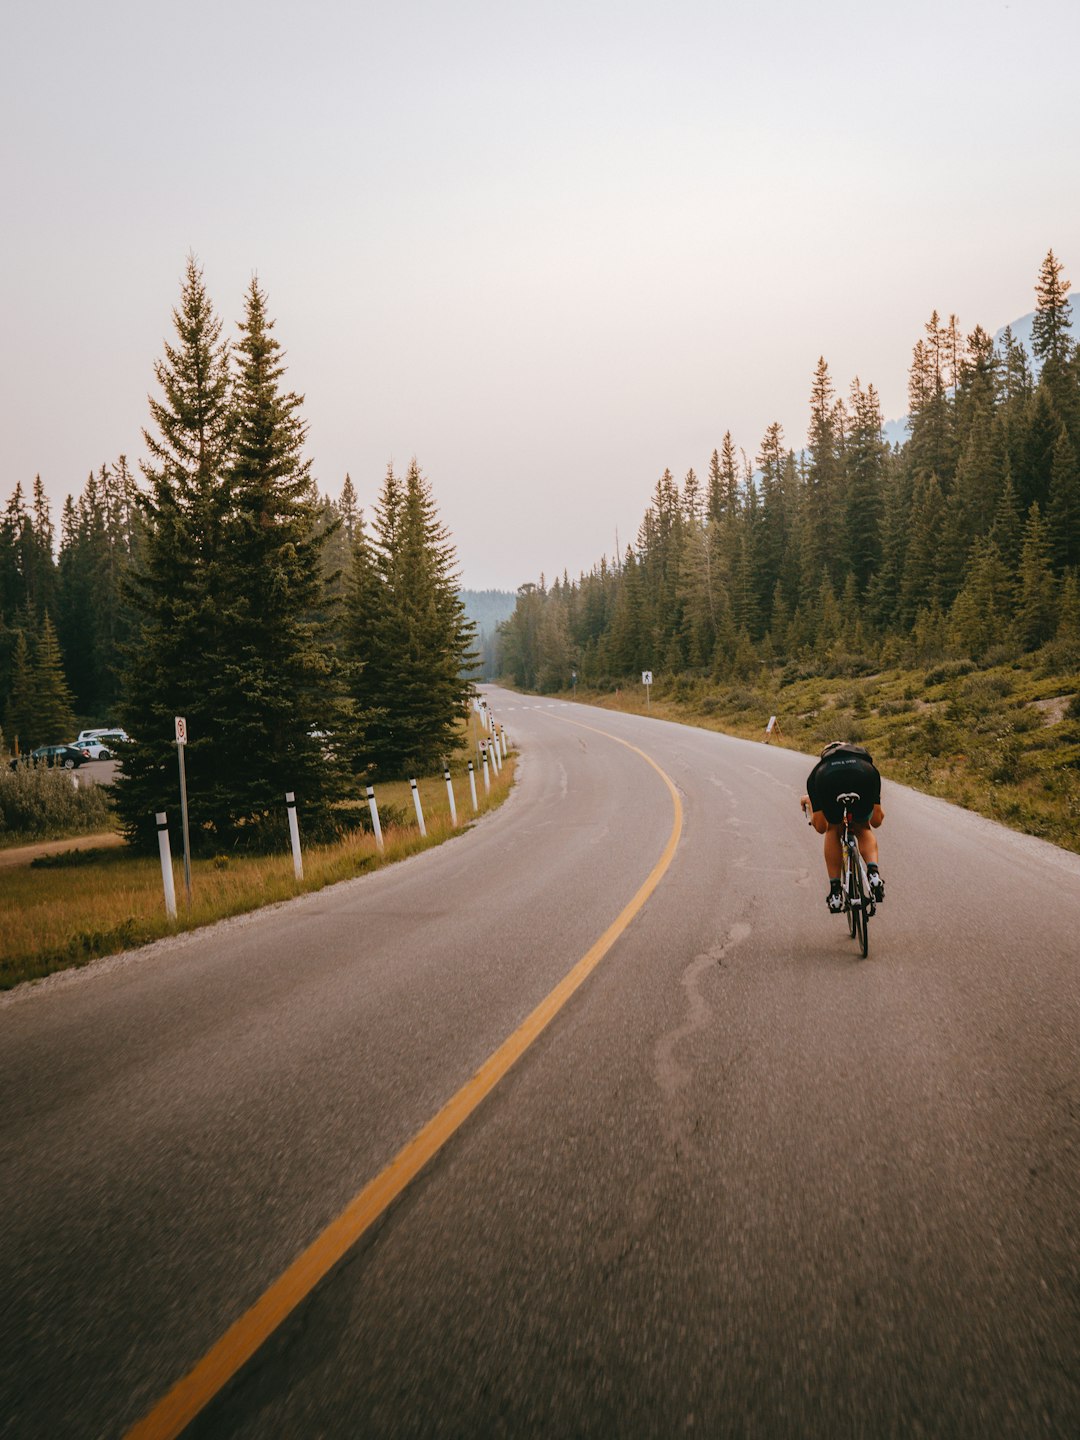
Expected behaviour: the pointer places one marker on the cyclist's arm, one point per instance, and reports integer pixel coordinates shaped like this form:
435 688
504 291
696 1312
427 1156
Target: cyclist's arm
816 818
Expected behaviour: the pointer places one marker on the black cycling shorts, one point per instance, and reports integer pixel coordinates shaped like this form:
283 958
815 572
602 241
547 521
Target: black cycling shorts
844 773
860 812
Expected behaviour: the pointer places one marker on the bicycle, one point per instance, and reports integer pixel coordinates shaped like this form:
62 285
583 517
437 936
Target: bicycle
854 882
859 903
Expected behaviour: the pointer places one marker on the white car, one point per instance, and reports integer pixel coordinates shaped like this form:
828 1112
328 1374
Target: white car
101 743
95 748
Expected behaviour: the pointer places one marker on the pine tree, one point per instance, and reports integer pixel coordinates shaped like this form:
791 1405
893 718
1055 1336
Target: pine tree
413 660
1063 508
982 611
20 718
932 446
1051 339
178 588
1007 526
271 693
54 723
865 463
822 498
1068 628
1042 425
1036 603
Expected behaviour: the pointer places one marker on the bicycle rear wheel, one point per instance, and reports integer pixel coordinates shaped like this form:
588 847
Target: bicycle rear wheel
845 881
859 911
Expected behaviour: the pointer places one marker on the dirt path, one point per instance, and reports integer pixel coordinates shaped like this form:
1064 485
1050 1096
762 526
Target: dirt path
23 854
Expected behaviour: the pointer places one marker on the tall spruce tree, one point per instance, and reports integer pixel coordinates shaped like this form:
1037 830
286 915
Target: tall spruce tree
412 653
272 690
54 722
178 588
1063 509
20 714
1036 593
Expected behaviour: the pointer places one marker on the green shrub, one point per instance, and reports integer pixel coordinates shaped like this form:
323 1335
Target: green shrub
39 803
949 670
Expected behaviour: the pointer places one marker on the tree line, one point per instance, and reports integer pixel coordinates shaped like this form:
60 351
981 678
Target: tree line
305 643
851 553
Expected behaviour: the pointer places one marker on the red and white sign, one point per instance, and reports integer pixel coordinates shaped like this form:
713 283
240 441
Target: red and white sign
181 730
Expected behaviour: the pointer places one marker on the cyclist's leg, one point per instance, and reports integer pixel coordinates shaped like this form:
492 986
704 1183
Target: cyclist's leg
868 846
833 853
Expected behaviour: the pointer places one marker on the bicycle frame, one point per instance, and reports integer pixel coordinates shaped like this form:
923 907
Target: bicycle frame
854 880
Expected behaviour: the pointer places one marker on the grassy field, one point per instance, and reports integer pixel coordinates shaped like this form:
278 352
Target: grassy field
1003 741
84 904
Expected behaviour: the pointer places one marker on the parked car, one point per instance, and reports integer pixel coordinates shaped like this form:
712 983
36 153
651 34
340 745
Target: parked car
95 748
110 737
69 756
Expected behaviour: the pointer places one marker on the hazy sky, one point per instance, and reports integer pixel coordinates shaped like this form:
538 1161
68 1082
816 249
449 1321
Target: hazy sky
548 248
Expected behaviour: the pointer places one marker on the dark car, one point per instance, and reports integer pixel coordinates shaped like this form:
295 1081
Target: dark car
66 755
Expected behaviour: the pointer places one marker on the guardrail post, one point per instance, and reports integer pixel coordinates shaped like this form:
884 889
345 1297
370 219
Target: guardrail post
450 796
419 811
294 834
374 816
472 787
166 863
487 777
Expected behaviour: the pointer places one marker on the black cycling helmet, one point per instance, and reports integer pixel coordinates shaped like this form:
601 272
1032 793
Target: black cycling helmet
834 745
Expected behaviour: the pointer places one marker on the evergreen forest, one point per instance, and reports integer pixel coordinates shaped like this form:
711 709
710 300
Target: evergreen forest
305 641
848 556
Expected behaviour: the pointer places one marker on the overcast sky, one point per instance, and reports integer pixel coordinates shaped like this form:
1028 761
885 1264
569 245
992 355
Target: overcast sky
548 248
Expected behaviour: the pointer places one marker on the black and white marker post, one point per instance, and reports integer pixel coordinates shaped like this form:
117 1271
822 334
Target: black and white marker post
374 816
472 787
294 834
181 744
166 863
419 811
450 795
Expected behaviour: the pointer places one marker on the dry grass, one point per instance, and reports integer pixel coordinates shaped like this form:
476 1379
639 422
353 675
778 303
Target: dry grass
98 902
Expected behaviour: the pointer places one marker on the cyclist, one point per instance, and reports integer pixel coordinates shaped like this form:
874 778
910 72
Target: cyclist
846 769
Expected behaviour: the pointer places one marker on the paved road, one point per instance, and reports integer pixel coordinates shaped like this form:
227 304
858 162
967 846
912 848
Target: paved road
744 1184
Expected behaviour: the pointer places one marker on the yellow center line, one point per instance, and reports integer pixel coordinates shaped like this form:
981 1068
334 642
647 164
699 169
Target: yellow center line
199 1386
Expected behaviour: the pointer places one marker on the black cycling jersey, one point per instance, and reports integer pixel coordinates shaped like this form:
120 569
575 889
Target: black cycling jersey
844 771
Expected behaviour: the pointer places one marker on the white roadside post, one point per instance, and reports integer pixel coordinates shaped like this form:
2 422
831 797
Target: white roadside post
646 680
487 776
374 816
166 864
181 744
502 737
416 803
450 796
494 748
472 787
294 834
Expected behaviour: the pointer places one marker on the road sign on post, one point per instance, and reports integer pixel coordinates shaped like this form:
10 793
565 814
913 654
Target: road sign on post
181 742
646 680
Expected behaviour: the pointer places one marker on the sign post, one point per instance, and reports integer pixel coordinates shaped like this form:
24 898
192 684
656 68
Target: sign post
646 680
181 742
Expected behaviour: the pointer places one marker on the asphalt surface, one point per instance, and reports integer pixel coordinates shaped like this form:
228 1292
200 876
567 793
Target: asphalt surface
744 1184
